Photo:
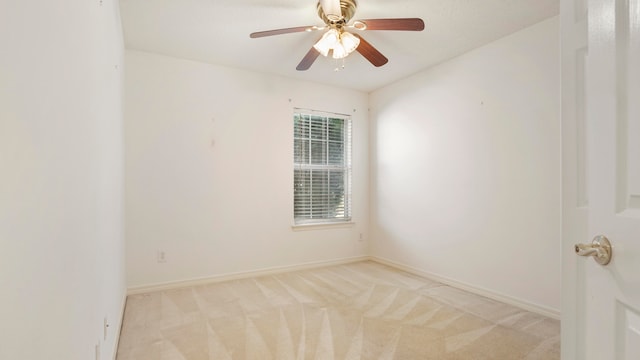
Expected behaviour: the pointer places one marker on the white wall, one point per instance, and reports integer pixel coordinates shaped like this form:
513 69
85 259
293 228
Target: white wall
466 168
209 171
61 180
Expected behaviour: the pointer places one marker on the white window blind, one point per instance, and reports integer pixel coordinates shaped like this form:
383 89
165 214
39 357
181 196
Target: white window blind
322 167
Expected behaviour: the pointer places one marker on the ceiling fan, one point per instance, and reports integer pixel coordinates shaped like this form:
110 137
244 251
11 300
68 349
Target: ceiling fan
337 41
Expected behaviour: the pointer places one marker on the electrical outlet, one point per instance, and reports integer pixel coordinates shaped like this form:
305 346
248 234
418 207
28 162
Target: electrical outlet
162 256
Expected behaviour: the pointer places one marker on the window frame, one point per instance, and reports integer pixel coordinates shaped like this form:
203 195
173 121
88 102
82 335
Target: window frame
345 167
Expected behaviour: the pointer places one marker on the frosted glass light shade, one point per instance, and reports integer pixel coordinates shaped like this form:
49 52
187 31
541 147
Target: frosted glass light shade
342 43
349 41
328 41
339 52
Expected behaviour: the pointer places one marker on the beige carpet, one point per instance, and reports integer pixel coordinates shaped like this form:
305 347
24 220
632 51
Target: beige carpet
357 311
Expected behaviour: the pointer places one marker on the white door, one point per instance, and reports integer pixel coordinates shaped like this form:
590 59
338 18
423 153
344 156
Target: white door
601 177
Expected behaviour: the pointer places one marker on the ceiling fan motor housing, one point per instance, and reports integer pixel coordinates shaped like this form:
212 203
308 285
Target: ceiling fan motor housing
348 8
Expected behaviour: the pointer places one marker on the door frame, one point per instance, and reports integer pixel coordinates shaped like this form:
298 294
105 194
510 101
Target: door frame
575 202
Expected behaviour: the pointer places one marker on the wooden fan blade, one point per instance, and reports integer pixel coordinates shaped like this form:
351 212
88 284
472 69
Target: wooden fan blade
370 53
282 31
308 60
406 24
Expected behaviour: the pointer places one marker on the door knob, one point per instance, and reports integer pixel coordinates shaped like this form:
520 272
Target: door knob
600 249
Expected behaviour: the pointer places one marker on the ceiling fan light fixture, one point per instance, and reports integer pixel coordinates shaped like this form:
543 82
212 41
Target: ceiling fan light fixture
341 43
339 52
329 40
349 41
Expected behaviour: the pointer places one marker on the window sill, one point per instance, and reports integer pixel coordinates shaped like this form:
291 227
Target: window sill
323 226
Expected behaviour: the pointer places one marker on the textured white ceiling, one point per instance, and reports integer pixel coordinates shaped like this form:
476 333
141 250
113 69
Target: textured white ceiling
217 31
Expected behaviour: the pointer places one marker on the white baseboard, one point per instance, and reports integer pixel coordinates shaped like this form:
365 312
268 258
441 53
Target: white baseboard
240 275
538 309
535 308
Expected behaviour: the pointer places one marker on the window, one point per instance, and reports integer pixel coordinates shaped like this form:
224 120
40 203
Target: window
322 167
